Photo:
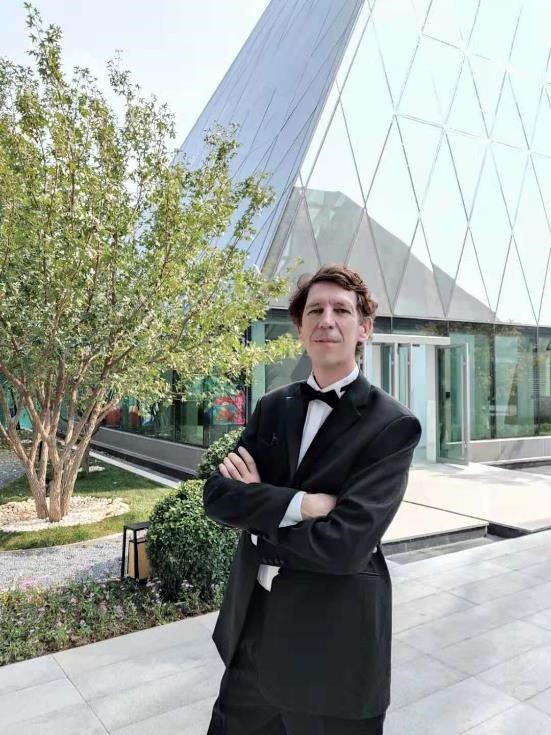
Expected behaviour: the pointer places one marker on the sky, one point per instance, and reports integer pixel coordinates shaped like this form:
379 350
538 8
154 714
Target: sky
176 49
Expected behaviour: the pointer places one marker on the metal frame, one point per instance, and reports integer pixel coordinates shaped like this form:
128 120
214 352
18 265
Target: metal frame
465 404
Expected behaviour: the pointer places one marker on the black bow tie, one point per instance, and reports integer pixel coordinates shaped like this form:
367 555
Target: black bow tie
311 394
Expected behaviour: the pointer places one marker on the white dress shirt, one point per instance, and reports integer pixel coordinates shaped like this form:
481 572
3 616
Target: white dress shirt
317 412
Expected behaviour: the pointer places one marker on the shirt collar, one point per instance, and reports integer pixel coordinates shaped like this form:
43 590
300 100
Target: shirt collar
338 385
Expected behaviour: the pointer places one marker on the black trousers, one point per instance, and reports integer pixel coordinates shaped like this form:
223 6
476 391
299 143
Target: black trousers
240 708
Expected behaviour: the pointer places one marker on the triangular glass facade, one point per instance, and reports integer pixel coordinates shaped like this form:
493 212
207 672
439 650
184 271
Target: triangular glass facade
430 168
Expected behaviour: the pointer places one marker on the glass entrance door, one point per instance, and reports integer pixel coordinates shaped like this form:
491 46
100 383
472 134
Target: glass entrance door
453 421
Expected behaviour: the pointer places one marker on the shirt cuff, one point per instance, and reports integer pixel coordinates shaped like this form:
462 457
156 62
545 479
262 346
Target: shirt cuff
293 514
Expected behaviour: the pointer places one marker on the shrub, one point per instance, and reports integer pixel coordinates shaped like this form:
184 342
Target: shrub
35 622
216 453
190 554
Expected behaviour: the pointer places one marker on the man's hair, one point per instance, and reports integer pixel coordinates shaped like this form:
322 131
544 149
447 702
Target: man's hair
342 276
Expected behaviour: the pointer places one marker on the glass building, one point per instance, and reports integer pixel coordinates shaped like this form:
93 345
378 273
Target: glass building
411 140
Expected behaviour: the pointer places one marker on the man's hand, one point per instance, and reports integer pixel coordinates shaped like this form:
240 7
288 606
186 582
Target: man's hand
316 505
239 466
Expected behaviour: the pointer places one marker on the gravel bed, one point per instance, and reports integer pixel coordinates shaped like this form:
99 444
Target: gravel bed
99 559
10 468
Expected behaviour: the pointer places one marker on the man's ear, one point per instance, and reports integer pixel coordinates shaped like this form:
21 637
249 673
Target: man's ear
366 327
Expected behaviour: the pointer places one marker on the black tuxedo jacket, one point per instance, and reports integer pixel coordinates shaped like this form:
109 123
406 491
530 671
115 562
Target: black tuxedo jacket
325 646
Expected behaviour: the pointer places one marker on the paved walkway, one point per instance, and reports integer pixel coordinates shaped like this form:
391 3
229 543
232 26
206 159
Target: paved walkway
472 654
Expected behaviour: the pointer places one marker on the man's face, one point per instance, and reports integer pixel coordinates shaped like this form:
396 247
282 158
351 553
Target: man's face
331 326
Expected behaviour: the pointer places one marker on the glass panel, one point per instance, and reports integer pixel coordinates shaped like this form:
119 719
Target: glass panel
532 238
291 369
420 399
363 259
420 143
465 113
403 374
450 403
469 299
508 126
542 140
299 250
491 230
531 46
442 22
419 296
335 221
224 410
514 302
511 165
397 31
488 78
367 107
391 202
431 82
387 368
527 92
443 216
334 169
544 384
480 376
494 39
468 156
515 396
319 133
545 313
352 47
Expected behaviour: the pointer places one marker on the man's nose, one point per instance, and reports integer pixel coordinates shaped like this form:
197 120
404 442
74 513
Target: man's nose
327 318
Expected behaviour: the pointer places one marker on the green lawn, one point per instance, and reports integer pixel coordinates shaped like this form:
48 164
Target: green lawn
139 493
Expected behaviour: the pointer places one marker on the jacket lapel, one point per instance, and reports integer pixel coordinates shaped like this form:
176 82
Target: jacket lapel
295 415
340 420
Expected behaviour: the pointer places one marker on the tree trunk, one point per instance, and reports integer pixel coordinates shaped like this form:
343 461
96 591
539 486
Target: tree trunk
85 464
39 494
55 497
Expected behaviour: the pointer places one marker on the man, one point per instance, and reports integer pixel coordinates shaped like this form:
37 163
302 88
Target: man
318 475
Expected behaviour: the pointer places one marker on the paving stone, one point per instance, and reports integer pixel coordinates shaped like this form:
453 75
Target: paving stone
449 711
542 701
487 650
523 676
541 618
519 719
408 590
426 608
151 699
37 701
29 673
447 579
486 590
418 677
182 632
432 636
75 720
193 719
401 652
149 667
521 604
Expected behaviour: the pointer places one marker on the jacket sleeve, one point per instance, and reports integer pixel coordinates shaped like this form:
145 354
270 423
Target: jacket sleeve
342 542
256 507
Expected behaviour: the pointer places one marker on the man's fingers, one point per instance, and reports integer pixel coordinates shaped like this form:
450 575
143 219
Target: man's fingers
238 463
249 460
223 471
232 469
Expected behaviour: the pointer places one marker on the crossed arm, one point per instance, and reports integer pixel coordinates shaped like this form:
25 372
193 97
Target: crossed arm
241 466
341 538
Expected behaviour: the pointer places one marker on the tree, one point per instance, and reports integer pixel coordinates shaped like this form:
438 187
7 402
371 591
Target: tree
109 271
